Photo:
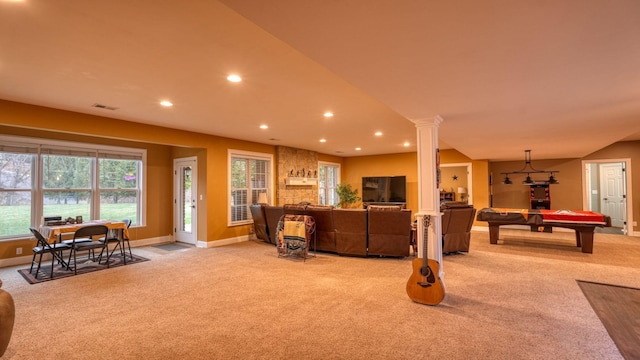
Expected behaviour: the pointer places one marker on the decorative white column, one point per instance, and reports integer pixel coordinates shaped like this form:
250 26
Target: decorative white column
428 192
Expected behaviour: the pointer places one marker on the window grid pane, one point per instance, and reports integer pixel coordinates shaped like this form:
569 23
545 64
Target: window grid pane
67 203
15 212
119 204
66 184
238 173
15 170
118 174
327 182
66 172
239 204
249 178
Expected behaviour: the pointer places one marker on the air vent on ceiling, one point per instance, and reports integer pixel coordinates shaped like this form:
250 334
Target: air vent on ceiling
102 106
274 139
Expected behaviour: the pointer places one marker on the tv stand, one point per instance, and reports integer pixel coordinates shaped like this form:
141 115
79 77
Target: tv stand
401 204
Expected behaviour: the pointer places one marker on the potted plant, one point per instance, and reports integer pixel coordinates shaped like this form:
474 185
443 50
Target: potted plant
347 195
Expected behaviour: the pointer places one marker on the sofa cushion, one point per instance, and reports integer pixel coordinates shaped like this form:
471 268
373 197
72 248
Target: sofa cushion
325 229
296 209
351 231
384 208
319 207
455 205
389 232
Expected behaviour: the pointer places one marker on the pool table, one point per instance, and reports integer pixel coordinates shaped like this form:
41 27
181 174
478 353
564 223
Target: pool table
583 222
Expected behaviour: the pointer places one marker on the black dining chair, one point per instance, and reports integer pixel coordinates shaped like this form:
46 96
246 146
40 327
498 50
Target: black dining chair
125 239
118 237
90 232
43 247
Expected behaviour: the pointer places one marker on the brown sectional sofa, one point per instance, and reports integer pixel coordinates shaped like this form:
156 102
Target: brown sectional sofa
344 231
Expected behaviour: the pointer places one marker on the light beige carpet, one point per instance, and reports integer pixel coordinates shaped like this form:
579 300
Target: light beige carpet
515 300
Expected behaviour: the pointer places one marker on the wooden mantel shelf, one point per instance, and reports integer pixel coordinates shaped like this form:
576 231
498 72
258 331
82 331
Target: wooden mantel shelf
300 181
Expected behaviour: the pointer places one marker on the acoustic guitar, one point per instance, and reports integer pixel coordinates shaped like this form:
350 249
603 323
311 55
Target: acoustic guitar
424 285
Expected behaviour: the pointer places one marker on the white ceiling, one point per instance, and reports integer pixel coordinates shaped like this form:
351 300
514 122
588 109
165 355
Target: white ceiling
561 78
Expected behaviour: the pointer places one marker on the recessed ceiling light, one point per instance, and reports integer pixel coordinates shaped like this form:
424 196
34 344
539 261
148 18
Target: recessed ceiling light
328 114
234 78
323 140
358 149
264 127
378 133
166 103
406 143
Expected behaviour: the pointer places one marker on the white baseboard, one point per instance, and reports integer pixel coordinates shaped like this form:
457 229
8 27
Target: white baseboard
152 241
14 261
223 242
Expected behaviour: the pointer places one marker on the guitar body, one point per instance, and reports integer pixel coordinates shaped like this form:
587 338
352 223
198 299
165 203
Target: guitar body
424 285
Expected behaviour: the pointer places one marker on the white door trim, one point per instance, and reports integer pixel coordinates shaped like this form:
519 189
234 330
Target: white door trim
189 237
469 178
628 186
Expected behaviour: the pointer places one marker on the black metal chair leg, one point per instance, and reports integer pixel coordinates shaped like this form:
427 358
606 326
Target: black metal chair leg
53 261
33 260
125 250
39 263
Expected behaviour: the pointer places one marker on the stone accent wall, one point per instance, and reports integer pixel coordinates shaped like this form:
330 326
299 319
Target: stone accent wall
292 159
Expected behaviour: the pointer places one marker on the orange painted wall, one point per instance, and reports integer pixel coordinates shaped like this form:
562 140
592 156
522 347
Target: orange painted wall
407 164
163 145
159 179
355 168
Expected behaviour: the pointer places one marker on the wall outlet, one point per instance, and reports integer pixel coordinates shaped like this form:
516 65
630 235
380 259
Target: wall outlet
635 223
19 251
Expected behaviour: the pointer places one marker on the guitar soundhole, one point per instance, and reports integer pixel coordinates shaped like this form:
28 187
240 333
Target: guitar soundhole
428 274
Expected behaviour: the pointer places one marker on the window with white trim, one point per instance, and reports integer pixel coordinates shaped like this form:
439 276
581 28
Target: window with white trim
328 179
41 178
249 175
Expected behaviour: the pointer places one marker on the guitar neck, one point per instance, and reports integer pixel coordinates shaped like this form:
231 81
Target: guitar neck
425 239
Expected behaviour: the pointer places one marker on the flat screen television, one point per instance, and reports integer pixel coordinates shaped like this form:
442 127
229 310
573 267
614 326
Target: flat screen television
380 189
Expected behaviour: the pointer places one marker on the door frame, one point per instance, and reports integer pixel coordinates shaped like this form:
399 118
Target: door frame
627 186
469 178
194 194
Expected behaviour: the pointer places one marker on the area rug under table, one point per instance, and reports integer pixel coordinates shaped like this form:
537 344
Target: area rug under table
84 266
618 308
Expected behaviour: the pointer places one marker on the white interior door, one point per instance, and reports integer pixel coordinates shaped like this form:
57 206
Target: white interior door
185 200
612 199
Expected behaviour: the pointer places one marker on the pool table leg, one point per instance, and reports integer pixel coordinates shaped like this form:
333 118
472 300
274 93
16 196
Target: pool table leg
494 233
584 237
